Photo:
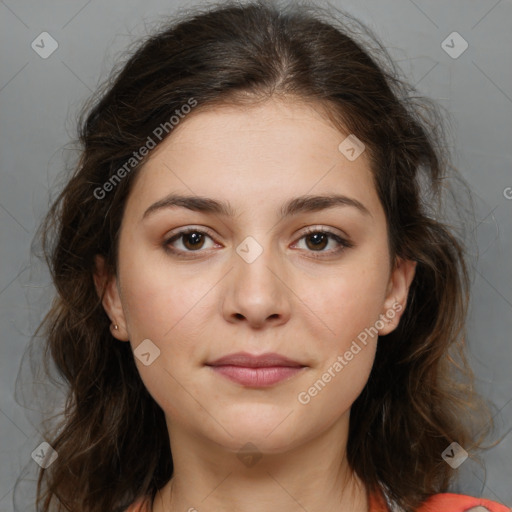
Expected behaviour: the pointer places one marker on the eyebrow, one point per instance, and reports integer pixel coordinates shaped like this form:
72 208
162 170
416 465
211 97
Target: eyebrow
301 204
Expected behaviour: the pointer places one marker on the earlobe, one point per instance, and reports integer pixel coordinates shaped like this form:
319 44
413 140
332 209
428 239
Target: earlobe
397 292
107 290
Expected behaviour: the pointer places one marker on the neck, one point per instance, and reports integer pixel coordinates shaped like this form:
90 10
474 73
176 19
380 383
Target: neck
313 476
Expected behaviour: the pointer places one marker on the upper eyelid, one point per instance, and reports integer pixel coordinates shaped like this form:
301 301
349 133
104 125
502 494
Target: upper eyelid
188 229
308 230
319 228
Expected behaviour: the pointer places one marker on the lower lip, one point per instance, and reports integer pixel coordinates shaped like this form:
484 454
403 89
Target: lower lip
257 377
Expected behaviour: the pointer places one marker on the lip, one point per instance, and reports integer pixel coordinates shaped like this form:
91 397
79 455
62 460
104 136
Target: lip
256 370
255 361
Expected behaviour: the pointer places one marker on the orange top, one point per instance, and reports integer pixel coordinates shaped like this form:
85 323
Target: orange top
445 502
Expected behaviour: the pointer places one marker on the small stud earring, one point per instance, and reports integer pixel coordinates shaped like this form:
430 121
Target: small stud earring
115 326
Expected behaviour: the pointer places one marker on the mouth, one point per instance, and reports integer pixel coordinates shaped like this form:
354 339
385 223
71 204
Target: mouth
256 371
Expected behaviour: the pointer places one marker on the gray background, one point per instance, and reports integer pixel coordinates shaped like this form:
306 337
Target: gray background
39 99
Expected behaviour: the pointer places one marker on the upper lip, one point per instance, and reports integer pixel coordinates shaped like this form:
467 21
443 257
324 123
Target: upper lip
255 361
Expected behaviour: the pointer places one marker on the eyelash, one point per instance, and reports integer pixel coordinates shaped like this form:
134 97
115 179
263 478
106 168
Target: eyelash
344 244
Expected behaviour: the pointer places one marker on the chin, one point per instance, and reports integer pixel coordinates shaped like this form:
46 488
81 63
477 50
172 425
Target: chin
270 434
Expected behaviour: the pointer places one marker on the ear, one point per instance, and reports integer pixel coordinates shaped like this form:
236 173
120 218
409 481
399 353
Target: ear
108 291
396 296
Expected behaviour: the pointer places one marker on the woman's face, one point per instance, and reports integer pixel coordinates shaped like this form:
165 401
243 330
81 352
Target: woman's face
258 278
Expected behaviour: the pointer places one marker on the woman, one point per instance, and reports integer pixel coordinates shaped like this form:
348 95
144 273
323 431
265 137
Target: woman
257 297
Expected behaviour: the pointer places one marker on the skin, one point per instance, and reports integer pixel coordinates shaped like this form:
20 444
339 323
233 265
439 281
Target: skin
212 302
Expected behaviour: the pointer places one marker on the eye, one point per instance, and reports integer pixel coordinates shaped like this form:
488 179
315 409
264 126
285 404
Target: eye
316 240
191 240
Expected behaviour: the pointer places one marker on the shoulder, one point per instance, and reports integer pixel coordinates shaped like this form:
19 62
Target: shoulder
448 502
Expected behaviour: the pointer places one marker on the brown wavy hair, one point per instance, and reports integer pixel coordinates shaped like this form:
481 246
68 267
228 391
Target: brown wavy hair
112 440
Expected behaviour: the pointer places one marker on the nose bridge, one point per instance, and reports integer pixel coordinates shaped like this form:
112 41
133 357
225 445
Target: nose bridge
256 290
257 263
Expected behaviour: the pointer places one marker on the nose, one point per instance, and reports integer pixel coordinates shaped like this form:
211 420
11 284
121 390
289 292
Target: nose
256 289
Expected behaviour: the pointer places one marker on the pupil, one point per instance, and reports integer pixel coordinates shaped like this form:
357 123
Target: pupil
194 238
317 239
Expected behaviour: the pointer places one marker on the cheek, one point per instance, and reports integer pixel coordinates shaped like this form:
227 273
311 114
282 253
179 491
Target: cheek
167 311
333 389
350 300
158 297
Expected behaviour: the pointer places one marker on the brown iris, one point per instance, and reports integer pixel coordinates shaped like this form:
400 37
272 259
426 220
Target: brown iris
195 239
319 239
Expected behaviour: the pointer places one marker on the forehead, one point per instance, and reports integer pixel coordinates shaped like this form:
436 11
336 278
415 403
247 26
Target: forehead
263 130
275 149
